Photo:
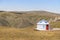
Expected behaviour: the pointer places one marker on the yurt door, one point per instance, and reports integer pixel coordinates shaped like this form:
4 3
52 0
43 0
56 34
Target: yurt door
47 27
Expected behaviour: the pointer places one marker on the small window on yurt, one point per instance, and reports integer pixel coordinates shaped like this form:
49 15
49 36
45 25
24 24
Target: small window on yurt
45 22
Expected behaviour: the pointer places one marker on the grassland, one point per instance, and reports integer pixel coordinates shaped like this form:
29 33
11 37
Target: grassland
27 34
21 26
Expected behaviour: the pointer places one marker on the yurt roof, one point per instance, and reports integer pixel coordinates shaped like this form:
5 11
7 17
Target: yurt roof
43 22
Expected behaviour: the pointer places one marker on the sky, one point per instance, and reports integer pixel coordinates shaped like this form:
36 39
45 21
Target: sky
29 5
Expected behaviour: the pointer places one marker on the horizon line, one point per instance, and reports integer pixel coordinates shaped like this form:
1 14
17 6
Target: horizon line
29 10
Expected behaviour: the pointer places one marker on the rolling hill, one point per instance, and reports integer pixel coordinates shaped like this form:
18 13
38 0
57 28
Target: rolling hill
24 19
21 25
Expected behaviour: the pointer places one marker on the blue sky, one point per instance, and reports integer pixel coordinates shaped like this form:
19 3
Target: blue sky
26 5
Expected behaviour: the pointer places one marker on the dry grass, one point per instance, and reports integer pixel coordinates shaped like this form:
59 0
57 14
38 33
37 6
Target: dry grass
26 20
55 24
27 34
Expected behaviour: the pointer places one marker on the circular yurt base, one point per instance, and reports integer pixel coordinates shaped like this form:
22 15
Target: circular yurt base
40 30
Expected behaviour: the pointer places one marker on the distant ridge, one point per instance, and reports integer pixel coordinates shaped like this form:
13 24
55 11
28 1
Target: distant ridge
29 11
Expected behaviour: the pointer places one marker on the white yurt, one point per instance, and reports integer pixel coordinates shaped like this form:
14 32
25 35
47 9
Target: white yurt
43 25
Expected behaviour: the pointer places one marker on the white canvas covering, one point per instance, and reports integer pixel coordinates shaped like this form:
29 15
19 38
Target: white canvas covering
41 25
42 22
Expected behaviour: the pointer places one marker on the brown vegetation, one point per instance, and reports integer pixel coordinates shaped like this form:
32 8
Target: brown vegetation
25 22
24 19
27 34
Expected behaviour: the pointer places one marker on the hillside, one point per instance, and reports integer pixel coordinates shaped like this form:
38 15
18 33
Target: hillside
24 19
21 26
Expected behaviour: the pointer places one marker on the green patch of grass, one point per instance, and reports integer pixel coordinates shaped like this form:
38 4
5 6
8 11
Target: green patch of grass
55 24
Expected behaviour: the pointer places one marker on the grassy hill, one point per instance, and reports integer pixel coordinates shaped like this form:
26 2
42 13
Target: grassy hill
21 25
24 19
